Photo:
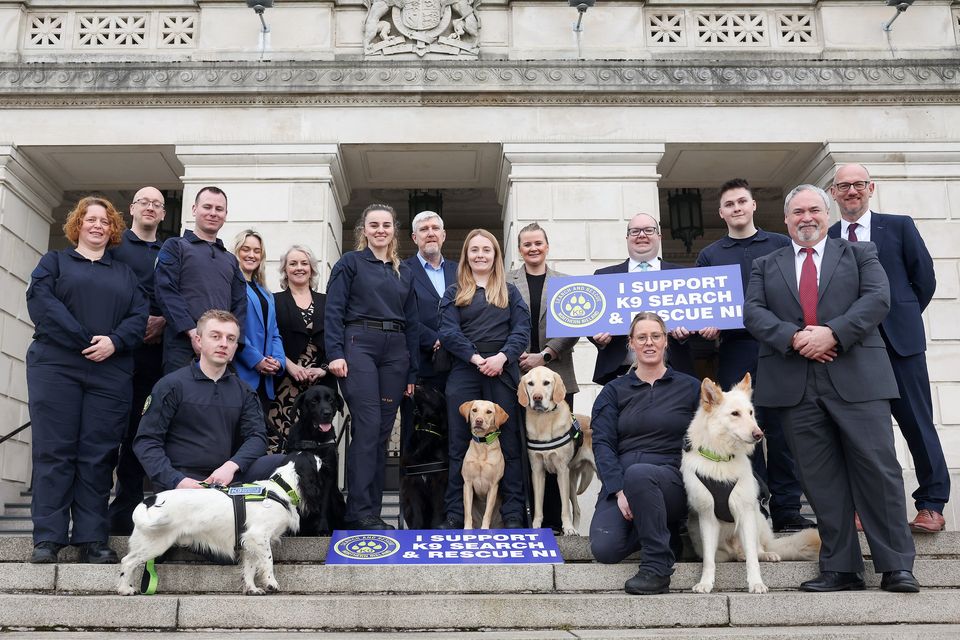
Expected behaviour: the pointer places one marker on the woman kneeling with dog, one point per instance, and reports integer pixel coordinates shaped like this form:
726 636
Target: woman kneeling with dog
485 325
639 421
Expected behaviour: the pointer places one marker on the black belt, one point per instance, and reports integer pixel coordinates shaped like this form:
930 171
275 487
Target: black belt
487 349
384 325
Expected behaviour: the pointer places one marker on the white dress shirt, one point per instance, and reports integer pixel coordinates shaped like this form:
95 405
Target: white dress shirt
862 230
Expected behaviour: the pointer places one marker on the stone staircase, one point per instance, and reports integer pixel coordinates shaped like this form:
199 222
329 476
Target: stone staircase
577 599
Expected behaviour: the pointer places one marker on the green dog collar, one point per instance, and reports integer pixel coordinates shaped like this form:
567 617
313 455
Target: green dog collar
490 438
712 456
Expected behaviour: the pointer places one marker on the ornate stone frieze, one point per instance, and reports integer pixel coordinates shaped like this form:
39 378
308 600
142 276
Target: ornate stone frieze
448 27
451 82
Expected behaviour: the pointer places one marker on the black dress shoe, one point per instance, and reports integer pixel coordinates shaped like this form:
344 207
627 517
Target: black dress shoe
647 583
834 581
45 552
514 522
451 522
791 523
368 523
899 582
96 553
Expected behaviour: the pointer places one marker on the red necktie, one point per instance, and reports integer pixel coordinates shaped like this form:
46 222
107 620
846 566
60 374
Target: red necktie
852 232
808 288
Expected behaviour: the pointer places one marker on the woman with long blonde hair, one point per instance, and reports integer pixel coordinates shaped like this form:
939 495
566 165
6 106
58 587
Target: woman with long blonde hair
485 325
372 329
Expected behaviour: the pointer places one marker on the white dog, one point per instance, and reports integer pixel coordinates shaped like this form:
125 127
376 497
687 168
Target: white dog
203 519
725 521
552 447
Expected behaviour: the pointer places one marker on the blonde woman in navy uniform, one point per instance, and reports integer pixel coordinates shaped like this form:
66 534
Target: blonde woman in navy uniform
485 325
372 337
89 314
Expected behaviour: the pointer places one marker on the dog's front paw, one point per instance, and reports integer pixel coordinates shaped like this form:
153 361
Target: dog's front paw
768 556
254 591
273 587
703 587
126 590
570 531
758 587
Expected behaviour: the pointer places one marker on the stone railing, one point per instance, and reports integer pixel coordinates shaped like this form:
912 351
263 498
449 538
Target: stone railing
83 31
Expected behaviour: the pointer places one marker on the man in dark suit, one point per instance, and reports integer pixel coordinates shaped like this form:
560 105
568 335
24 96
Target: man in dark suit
815 307
431 277
613 356
909 269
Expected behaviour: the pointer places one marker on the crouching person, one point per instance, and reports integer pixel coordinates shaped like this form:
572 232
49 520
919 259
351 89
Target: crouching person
202 423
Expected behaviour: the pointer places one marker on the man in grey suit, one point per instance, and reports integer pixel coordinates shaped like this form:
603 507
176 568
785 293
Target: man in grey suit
815 307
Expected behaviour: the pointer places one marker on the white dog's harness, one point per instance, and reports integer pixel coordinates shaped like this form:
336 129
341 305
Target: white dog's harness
720 490
575 434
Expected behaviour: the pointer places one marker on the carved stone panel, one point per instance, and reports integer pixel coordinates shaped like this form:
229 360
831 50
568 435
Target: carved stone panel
421 27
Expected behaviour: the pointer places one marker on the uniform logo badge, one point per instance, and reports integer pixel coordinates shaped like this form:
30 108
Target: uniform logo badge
367 546
578 305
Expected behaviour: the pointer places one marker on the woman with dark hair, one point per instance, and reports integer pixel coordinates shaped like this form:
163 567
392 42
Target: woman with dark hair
372 336
639 421
485 325
89 313
300 314
261 360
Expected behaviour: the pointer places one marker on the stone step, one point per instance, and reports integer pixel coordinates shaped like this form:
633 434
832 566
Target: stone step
16 523
319 579
472 612
16 548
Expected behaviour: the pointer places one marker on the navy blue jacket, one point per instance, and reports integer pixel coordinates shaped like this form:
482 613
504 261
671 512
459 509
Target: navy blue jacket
909 269
194 423
363 287
638 422
71 299
612 356
141 256
428 301
259 341
194 276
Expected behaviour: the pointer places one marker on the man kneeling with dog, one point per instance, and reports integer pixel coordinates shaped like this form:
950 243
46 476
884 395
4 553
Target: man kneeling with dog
202 423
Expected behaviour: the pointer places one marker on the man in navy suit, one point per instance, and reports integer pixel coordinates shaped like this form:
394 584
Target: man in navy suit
613 356
431 277
909 269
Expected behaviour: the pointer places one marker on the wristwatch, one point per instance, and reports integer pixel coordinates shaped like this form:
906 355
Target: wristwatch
546 355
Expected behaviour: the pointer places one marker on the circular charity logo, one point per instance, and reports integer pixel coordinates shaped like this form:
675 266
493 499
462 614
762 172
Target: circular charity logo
578 305
366 546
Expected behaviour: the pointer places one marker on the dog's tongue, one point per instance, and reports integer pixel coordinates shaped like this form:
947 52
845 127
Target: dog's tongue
326 426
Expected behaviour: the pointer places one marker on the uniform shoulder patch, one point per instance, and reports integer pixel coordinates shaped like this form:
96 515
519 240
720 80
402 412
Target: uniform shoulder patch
146 404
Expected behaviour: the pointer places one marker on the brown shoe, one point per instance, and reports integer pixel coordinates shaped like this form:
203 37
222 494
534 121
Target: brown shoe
928 521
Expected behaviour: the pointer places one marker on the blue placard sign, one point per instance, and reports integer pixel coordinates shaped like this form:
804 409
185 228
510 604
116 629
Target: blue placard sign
470 546
690 298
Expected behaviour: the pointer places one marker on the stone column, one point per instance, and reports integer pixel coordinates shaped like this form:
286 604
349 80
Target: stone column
920 179
290 193
583 194
27 198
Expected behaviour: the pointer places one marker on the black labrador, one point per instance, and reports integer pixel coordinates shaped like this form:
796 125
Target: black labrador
424 463
313 431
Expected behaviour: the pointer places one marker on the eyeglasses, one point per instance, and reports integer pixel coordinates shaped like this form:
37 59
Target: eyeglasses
859 185
635 232
143 202
653 337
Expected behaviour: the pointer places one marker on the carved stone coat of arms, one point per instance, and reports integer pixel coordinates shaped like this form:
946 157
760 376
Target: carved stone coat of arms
450 27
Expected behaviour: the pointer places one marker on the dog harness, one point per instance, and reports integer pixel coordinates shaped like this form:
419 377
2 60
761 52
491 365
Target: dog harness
239 494
575 434
490 438
720 491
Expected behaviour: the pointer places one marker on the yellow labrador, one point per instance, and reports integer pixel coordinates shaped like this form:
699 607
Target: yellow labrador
552 445
483 463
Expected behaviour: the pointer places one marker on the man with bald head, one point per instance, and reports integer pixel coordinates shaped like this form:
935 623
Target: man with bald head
643 248
909 269
138 249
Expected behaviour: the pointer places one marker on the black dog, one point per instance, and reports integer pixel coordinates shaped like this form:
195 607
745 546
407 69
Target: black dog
424 464
313 431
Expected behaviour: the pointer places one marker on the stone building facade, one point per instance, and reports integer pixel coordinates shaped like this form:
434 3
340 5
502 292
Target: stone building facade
502 105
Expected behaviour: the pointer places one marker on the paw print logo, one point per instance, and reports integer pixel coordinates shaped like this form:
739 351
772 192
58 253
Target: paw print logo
366 546
578 305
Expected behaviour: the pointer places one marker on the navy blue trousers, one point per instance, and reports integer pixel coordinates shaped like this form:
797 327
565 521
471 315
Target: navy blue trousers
177 350
658 502
913 412
466 383
778 470
79 413
147 369
377 367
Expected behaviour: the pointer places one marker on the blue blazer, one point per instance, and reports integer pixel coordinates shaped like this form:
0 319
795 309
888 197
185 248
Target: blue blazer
428 301
909 269
260 341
